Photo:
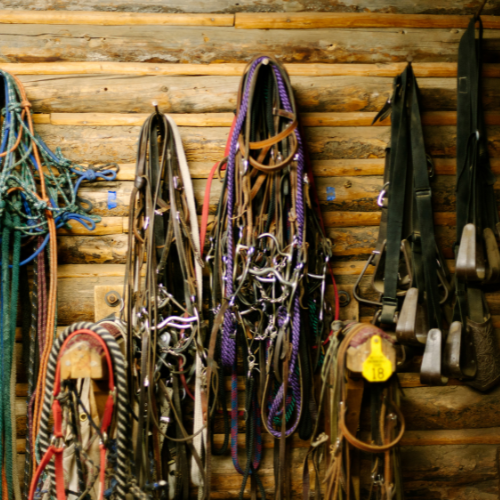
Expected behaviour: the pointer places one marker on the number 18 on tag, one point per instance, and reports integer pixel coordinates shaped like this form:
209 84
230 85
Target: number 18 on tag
377 367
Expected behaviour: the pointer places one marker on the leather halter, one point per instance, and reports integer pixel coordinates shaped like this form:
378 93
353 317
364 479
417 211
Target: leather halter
388 424
56 447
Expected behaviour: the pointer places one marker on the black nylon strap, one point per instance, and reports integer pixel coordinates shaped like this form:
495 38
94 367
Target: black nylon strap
476 202
397 190
410 214
424 213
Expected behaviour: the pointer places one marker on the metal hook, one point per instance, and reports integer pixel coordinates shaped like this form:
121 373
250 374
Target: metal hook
157 111
383 192
478 13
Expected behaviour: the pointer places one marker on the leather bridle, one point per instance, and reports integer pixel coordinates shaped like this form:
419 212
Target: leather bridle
263 272
163 310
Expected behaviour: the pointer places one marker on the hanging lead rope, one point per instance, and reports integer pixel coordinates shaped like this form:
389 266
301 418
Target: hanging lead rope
52 444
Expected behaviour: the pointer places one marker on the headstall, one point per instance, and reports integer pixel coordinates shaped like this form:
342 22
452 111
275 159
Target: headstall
269 259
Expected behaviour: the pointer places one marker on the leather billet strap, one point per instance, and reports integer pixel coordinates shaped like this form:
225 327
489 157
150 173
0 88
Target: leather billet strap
476 202
476 250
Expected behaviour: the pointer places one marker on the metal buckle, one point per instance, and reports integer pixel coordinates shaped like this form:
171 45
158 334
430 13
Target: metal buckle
57 440
404 281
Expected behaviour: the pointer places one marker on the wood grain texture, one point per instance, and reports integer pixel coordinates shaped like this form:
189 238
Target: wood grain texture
118 144
353 119
421 70
230 6
352 242
112 18
357 194
315 20
323 168
455 407
216 94
39 43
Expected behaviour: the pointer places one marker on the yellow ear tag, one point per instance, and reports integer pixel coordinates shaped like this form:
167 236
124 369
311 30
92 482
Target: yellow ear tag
377 366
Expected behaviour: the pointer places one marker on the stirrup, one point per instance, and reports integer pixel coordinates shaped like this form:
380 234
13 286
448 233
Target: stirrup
471 264
459 358
493 256
431 369
412 324
404 280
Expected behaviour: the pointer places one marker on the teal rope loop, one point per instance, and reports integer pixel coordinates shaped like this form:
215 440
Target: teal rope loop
20 178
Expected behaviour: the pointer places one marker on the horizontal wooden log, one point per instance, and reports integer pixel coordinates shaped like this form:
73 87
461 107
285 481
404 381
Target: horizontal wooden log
38 43
77 281
215 94
353 219
447 472
107 226
323 168
350 242
452 437
113 18
315 20
119 225
356 119
137 119
83 271
413 379
455 407
118 144
456 471
92 272
421 70
334 194
411 438
492 7
111 249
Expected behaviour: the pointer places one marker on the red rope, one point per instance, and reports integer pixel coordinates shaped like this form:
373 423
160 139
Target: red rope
206 199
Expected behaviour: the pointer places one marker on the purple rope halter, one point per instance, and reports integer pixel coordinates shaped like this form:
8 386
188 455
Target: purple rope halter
228 342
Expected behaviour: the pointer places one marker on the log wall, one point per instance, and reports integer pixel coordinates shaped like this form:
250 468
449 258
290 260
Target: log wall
92 68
